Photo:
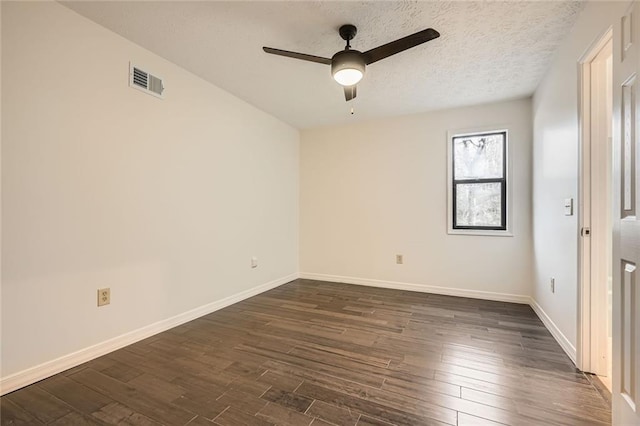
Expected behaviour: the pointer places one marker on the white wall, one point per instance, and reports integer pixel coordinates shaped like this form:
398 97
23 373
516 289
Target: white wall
555 170
163 201
373 190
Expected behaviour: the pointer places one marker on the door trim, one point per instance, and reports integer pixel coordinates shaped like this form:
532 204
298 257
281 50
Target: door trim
585 332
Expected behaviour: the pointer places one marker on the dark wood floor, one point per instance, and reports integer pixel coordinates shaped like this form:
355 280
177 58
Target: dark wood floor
319 353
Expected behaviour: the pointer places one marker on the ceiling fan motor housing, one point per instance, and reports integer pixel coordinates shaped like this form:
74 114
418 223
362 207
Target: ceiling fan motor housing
347 65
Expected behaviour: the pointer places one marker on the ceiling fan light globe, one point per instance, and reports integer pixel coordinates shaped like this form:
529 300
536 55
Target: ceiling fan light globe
347 67
348 76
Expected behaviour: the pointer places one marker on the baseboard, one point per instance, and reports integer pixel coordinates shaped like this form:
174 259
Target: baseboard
49 368
31 375
475 294
460 292
562 340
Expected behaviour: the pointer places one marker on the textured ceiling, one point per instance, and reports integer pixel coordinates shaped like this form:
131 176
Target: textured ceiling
488 51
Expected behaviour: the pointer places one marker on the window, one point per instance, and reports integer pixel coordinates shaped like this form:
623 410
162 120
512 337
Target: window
478 174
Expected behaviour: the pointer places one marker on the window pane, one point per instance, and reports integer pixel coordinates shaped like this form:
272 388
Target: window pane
478 204
477 157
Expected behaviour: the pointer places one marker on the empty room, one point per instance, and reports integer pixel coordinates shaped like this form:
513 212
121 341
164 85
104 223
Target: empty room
319 213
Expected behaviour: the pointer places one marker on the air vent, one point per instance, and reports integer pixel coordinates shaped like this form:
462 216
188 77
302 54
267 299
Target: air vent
142 80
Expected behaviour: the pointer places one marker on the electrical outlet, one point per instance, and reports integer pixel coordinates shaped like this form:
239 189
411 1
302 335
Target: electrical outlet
399 259
104 296
254 262
552 285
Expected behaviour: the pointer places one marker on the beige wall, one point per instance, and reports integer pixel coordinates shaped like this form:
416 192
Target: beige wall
373 190
555 173
163 201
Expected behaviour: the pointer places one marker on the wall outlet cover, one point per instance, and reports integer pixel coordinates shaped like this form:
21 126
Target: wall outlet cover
104 296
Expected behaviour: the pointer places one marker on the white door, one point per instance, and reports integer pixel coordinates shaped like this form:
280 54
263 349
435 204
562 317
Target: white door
626 224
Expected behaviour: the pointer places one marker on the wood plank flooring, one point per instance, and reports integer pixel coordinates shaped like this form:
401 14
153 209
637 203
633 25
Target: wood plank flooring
317 353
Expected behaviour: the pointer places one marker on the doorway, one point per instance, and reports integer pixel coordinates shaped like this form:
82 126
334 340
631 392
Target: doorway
595 211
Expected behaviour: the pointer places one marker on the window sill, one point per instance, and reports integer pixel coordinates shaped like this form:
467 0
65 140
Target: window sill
480 233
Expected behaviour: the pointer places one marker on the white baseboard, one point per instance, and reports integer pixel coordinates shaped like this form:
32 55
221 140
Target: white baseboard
562 340
486 295
49 368
460 292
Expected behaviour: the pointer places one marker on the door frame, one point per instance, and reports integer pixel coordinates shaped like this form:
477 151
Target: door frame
587 333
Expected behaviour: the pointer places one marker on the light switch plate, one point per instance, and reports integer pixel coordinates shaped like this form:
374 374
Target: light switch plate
568 206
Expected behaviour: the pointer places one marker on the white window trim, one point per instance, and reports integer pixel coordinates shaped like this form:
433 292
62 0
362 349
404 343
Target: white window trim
509 217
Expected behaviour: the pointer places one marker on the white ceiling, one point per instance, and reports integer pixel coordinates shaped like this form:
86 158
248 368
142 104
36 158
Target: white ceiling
488 51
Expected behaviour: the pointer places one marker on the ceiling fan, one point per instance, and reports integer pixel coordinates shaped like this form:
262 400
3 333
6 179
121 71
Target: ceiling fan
347 66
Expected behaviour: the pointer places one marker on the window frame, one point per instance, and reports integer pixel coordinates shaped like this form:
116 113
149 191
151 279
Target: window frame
505 181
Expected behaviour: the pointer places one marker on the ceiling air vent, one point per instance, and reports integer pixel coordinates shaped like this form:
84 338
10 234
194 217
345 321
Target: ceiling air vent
142 80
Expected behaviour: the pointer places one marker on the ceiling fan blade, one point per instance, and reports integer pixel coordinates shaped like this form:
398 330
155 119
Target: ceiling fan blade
349 92
402 44
297 55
